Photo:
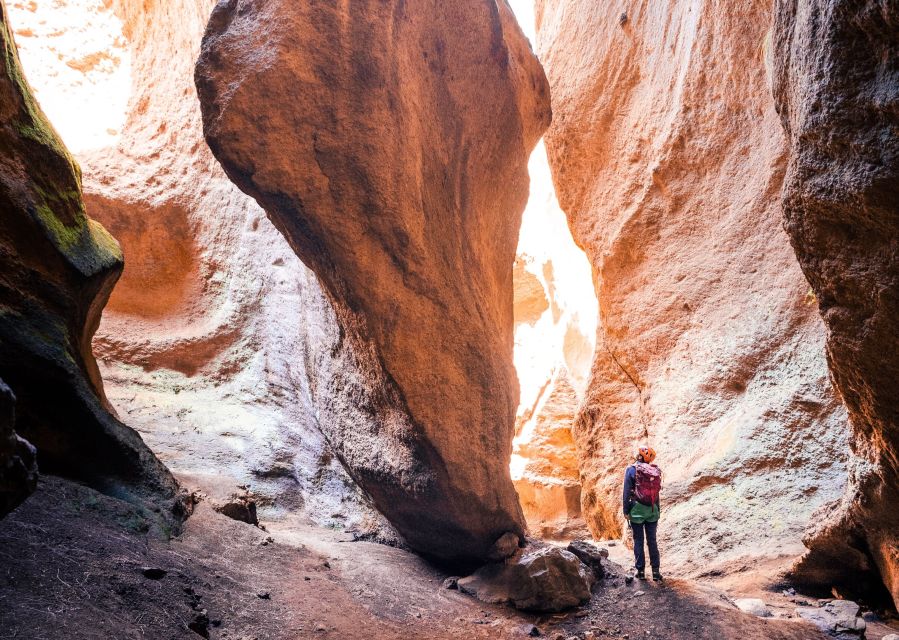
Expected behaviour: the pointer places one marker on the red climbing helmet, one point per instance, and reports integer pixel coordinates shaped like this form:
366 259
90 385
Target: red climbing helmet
647 453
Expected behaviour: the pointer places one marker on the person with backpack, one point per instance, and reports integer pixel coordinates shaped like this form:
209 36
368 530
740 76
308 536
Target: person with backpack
642 484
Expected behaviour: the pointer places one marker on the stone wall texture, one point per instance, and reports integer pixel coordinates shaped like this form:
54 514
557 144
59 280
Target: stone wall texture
359 139
836 66
57 268
668 158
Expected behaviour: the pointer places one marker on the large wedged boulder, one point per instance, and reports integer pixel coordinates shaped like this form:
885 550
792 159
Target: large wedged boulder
668 158
835 70
391 151
18 464
57 268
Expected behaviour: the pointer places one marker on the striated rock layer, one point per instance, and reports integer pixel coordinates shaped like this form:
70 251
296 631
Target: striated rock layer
202 345
835 70
668 158
549 485
57 268
359 139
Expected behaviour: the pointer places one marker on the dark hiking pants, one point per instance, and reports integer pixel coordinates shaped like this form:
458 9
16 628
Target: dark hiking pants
645 531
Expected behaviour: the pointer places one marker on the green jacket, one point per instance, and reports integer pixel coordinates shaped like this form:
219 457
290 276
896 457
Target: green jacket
640 513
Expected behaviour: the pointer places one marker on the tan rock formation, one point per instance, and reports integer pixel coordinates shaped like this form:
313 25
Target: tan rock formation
549 486
835 68
203 343
359 140
668 159
57 268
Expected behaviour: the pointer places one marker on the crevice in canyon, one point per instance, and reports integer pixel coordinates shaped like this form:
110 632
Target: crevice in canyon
379 287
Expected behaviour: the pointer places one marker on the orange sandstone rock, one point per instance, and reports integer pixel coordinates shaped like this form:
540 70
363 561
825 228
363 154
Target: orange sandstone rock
668 159
391 152
549 487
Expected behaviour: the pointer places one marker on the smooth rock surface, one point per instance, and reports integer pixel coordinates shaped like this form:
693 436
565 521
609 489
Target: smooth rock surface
668 159
835 69
18 464
359 139
57 268
548 579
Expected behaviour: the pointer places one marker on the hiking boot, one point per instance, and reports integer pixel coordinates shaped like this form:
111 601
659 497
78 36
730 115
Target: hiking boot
641 574
656 575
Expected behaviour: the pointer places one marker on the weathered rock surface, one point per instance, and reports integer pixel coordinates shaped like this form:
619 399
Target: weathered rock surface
835 67
590 555
668 159
838 619
548 579
57 268
753 606
203 343
359 140
18 464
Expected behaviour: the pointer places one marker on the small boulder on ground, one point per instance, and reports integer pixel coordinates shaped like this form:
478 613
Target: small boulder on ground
753 606
590 555
546 579
837 618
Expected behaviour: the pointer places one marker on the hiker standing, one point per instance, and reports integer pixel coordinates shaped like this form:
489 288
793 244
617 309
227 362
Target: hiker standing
642 483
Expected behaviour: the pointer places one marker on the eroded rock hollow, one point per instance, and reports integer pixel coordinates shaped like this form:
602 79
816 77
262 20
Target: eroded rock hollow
836 88
357 139
668 158
57 268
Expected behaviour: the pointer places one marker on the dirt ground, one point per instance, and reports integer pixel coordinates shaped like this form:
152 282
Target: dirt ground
80 565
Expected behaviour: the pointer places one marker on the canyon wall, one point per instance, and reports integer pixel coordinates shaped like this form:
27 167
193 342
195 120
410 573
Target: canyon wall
668 158
835 84
203 343
57 268
359 139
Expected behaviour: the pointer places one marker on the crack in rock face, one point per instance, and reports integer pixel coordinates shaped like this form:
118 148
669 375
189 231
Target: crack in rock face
359 139
835 69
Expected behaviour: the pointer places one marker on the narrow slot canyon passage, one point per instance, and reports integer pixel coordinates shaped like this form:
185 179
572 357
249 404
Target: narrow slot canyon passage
345 320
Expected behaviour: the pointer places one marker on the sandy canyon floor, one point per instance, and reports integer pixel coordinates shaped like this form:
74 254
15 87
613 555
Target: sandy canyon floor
81 565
